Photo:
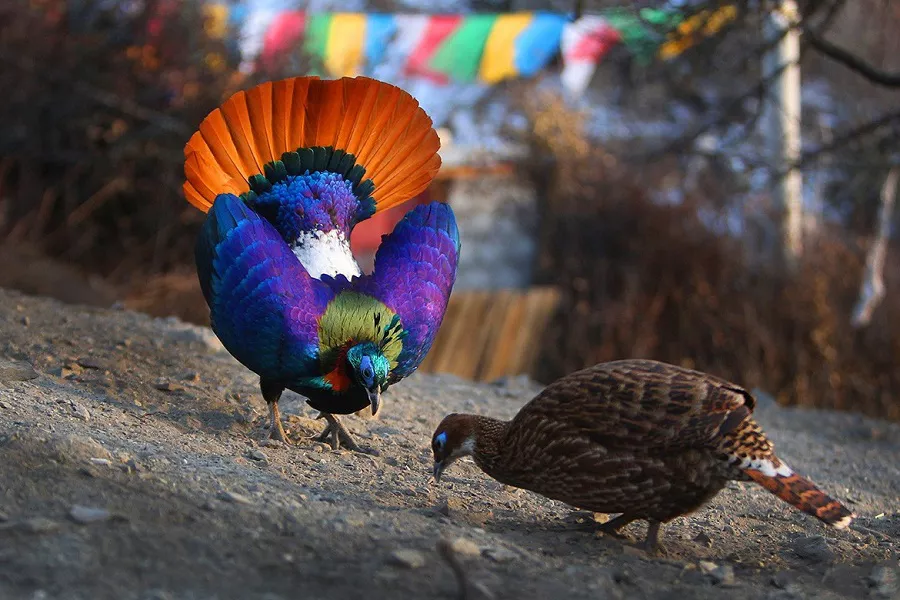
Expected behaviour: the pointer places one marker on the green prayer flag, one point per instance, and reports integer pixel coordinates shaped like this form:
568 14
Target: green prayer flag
459 56
315 40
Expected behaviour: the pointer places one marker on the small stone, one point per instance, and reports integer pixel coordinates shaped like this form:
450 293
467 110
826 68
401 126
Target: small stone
234 498
270 443
80 411
86 514
450 505
210 505
409 559
26 321
703 539
165 385
719 574
465 547
3 517
258 455
102 462
87 471
39 525
90 363
192 376
813 548
128 465
16 371
66 373
76 450
783 579
884 582
499 555
4 405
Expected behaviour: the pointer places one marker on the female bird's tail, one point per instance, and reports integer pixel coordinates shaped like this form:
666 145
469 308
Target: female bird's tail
799 492
369 133
748 448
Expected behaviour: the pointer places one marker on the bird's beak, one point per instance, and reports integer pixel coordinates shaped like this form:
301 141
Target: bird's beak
438 469
374 400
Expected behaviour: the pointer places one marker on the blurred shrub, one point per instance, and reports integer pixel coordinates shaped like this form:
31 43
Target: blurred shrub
645 279
99 99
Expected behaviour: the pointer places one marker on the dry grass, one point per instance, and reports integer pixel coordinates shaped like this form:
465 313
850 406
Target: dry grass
642 279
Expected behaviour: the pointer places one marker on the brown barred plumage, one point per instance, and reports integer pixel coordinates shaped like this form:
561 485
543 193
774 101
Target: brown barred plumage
646 439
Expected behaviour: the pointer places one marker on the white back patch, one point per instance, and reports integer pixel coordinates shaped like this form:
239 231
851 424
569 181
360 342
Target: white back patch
326 253
765 466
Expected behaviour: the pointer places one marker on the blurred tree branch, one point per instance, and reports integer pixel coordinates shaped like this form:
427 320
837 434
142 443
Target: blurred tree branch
850 60
872 290
112 101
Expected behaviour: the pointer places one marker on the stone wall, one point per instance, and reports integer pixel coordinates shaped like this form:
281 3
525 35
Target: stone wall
497 217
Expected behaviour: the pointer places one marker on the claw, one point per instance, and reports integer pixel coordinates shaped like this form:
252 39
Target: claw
336 435
612 527
276 431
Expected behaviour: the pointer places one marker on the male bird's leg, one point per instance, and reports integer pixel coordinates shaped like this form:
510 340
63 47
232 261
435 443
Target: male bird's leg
271 394
613 526
336 434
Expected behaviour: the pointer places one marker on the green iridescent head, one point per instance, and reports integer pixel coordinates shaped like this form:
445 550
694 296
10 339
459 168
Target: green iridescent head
369 369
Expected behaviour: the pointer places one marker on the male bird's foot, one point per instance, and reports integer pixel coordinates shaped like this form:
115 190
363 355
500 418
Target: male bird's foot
336 435
276 431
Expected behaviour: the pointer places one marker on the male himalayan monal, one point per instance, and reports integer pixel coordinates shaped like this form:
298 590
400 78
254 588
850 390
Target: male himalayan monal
642 438
285 171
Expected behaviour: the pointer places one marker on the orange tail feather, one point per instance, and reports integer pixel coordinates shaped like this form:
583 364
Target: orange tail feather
803 494
382 126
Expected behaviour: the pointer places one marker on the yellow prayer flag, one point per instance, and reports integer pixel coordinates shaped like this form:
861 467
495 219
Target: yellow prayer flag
498 61
345 47
685 35
215 20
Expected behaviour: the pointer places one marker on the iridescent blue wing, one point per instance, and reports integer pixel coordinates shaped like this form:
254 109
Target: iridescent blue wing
264 306
415 268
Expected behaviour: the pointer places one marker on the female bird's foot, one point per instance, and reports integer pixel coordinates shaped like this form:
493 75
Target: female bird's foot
651 543
337 435
612 527
276 431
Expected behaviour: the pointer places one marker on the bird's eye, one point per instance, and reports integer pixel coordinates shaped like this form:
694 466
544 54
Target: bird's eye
368 373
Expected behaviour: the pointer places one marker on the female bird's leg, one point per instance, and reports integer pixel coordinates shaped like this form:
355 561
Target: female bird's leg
651 543
271 394
336 434
613 526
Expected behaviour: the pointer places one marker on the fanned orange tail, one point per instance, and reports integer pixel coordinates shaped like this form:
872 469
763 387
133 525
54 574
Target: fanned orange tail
381 126
801 493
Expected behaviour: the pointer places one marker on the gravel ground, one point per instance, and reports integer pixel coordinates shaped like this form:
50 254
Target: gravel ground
133 465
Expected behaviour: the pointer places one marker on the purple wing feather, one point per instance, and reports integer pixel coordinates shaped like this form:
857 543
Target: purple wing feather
415 268
264 306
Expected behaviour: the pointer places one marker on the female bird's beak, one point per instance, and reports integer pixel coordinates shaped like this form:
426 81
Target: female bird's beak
374 400
438 469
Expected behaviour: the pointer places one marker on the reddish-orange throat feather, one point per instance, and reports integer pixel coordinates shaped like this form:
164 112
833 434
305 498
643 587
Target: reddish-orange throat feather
338 377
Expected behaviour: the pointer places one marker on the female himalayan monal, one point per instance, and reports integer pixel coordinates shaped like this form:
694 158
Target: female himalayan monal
642 438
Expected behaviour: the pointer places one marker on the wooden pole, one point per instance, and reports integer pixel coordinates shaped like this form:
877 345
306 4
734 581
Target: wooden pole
781 67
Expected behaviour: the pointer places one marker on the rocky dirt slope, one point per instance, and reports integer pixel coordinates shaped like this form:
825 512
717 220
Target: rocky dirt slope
131 466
